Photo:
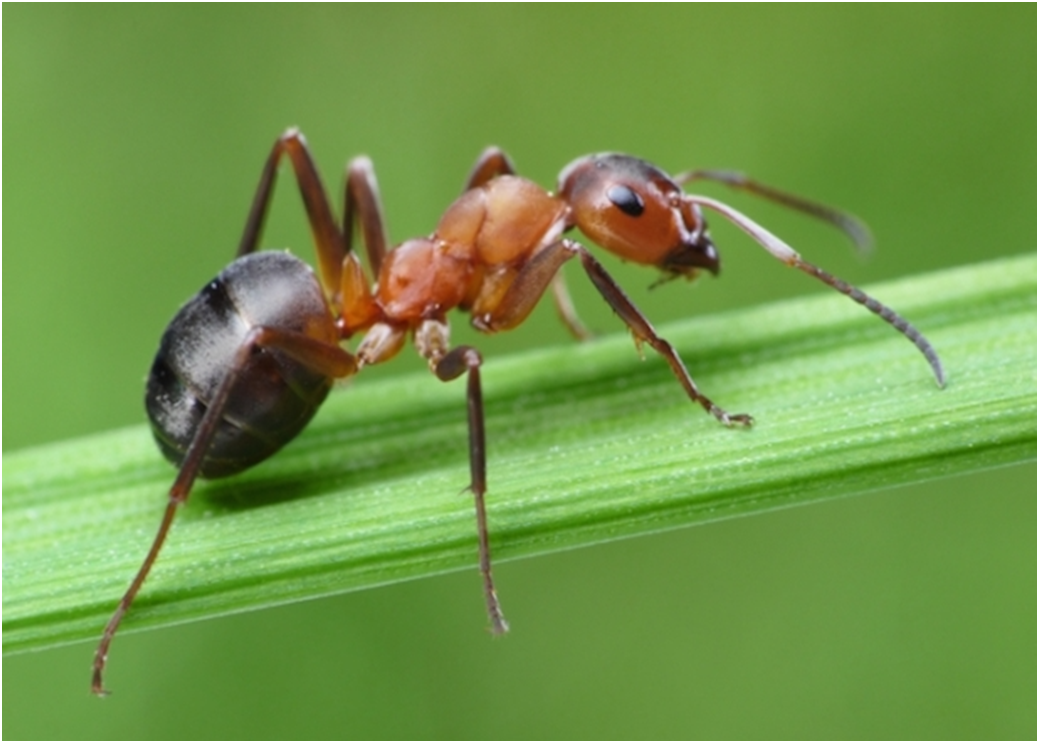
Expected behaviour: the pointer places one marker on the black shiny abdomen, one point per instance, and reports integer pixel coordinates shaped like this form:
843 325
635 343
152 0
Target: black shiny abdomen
275 396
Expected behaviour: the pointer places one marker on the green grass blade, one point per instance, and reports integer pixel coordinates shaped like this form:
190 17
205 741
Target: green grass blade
586 443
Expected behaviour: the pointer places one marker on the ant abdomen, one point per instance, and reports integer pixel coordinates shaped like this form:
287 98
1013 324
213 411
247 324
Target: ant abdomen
275 395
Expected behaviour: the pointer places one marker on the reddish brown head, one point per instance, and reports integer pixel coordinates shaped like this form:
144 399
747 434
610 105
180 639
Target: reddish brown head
638 212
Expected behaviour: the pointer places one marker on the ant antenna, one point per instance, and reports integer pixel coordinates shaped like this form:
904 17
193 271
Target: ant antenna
791 257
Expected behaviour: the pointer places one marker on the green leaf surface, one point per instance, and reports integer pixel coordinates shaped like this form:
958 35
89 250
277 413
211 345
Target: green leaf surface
586 443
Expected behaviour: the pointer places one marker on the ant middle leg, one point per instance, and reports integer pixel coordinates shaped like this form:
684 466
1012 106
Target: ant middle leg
363 204
431 338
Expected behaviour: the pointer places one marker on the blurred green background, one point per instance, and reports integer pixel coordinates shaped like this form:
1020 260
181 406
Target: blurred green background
135 138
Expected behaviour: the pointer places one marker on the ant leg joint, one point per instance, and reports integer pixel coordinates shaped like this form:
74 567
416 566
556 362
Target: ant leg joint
458 362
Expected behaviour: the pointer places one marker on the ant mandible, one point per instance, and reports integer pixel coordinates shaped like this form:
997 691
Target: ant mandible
244 365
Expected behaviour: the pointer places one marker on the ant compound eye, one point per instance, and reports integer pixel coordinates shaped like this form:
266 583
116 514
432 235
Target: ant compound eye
626 200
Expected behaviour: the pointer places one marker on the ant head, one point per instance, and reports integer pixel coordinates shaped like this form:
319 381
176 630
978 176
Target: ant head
638 212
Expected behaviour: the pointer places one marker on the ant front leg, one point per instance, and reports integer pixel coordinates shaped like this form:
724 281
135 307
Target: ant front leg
328 240
533 279
318 356
643 331
432 339
493 162
565 310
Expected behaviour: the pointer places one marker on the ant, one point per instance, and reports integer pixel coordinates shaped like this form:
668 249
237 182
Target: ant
244 365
